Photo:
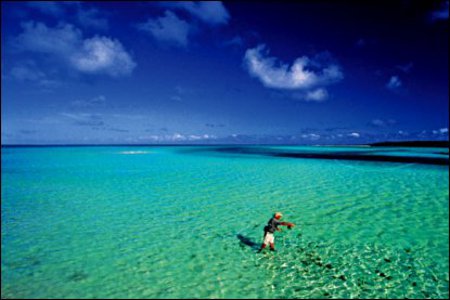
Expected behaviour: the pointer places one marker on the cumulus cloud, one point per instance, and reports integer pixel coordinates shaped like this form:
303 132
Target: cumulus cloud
354 134
173 30
311 136
210 12
441 131
103 55
37 37
28 71
179 137
169 29
317 95
99 55
73 10
304 73
91 18
394 83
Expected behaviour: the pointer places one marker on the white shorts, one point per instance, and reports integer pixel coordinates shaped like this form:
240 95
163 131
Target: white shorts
268 238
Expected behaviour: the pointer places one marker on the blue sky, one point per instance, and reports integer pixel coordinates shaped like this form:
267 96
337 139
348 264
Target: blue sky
317 72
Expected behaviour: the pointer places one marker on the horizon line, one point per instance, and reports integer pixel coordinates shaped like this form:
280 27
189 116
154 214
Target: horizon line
228 144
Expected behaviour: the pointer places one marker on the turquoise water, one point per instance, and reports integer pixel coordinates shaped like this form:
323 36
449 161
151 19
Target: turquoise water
183 222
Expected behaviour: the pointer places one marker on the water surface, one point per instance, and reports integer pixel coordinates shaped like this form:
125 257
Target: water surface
182 222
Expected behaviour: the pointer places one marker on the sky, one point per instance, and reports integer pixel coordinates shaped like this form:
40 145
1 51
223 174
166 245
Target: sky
307 72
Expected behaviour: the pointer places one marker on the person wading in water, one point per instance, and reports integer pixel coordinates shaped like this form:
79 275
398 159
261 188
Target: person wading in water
270 229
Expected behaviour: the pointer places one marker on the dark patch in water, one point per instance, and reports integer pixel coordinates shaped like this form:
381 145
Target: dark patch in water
78 276
26 262
247 241
441 153
355 155
342 277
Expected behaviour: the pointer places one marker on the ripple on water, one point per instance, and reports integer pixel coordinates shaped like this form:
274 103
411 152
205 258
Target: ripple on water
94 224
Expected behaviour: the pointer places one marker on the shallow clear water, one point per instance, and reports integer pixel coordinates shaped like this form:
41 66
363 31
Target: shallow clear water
182 222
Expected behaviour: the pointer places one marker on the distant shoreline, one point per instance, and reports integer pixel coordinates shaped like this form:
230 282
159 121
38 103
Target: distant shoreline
427 144
424 144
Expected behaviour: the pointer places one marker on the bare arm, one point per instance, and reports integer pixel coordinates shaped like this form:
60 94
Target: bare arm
287 224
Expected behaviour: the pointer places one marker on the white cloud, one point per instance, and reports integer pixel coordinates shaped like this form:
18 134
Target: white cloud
303 74
99 54
73 10
210 12
178 137
23 72
442 131
103 55
168 28
91 18
354 134
377 122
28 71
394 83
37 37
317 95
382 123
311 136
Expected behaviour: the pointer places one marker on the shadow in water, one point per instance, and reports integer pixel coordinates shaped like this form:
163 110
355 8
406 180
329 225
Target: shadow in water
247 241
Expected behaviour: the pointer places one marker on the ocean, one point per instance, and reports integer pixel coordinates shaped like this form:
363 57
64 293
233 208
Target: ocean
187 221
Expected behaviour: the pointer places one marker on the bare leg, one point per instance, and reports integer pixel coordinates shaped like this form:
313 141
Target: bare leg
272 246
262 247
